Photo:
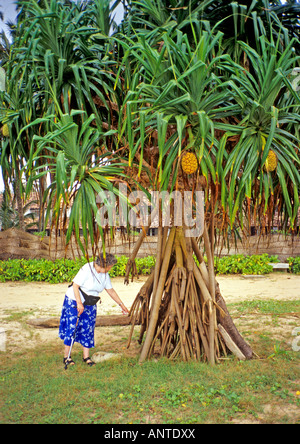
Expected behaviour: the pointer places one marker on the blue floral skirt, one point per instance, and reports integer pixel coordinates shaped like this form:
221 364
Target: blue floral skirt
86 325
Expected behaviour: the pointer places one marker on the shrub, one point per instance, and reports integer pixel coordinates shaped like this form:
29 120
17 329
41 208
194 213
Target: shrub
294 263
39 270
120 268
144 266
240 264
64 270
61 270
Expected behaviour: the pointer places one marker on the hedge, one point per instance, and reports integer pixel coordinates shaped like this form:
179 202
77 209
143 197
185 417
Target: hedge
64 270
61 270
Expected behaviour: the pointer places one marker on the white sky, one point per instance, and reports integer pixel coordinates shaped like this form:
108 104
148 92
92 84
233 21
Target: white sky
8 8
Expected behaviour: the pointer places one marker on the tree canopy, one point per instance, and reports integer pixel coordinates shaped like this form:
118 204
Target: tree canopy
89 102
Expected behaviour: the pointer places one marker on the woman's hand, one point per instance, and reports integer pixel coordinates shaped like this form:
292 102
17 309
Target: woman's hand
125 311
80 308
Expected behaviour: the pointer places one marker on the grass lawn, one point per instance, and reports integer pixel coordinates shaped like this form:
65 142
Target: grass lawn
35 388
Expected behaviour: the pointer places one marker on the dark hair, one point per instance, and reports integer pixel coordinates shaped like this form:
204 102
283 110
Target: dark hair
106 261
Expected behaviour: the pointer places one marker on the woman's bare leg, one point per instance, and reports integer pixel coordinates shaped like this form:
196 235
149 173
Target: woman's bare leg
86 352
66 353
86 356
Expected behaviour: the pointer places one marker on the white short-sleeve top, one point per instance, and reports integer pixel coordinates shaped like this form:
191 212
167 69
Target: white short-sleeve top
91 282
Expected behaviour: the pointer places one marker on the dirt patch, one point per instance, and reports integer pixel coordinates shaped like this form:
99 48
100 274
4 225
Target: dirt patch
20 301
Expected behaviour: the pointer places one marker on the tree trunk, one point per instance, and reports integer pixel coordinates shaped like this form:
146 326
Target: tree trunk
180 307
157 297
101 321
20 206
227 323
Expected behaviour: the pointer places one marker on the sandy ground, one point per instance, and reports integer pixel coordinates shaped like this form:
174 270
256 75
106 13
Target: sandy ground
49 297
37 300
20 302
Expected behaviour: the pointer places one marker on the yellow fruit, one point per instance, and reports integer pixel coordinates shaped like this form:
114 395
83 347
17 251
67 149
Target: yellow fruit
271 162
189 163
5 130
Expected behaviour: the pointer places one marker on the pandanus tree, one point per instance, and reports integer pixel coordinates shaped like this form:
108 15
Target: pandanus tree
67 55
175 111
80 172
59 62
189 103
264 165
19 104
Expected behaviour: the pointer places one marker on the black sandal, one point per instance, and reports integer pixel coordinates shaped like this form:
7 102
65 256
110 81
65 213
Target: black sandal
68 361
88 361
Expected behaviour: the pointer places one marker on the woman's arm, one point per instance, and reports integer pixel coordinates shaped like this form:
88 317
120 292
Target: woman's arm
80 307
113 294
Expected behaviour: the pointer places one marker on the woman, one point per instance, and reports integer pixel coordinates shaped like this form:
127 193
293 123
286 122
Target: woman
91 280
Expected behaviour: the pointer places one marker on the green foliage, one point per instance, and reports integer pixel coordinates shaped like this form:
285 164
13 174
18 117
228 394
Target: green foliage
40 270
240 264
145 264
64 270
120 268
184 74
269 306
294 263
61 270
